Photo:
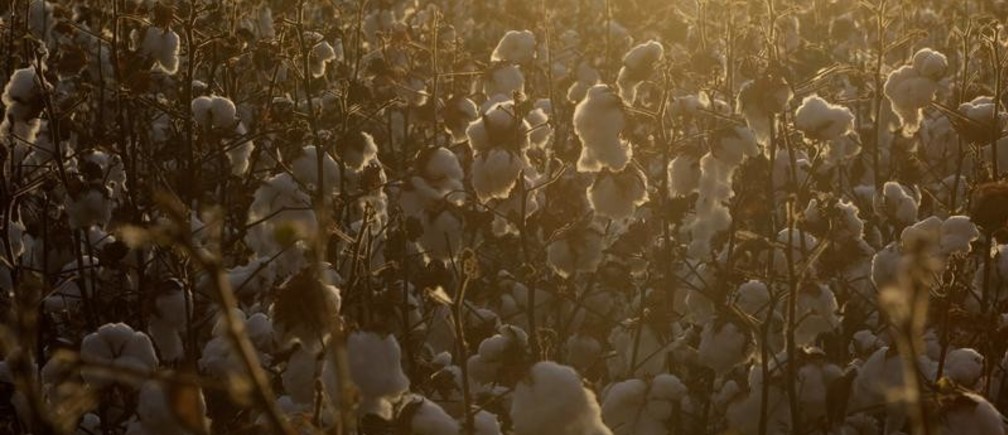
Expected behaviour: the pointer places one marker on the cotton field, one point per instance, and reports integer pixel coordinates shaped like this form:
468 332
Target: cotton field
504 217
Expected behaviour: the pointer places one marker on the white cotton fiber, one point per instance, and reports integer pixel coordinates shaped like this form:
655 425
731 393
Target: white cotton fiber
821 120
515 46
551 400
599 122
912 87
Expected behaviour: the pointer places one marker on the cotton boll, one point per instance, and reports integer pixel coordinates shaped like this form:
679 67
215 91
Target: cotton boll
298 377
486 423
504 79
885 264
157 412
499 128
214 112
964 366
578 249
40 19
430 419
116 345
582 351
442 236
586 78
821 120
599 122
93 206
638 64
897 203
759 99
163 46
278 204
457 114
971 413
169 322
357 149
957 235
617 195
753 298
912 87
540 129
495 173
724 345
375 365
684 175
864 343
495 352
551 400
322 53
925 235
734 144
621 408
817 314
639 351
712 215
515 46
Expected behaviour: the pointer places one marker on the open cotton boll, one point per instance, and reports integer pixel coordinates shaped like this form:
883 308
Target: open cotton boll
40 19
885 264
508 343
375 365
617 195
881 374
504 79
758 100
551 400
964 366
486 423
214 112
817 314
116 345
168 323
442 236
912 87
753 298
495 172
622 403
821 120
279 204
957 235
497 127
586 77
639 351
971 413
305 169
897 203
457 114
599 122
638 64
724 345
712 215
92 206
298 377
428 418
157 411
321 54
357 149
516 46
981 111
734 144
683 174
538 121
163 46
577 250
